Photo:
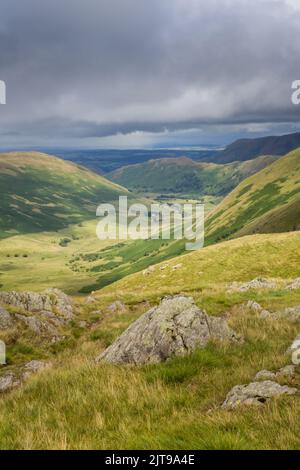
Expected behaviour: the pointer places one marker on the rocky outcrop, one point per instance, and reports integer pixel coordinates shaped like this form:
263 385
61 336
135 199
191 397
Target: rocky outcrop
258 283
12 379
38 326
6 320
175 328
284 372
117 306
294 285
256 393
51 300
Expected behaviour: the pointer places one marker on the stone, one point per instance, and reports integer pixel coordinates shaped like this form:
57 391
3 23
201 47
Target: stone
117 306
33 367
82 324
148 271
292 314
256 393
265 375
8 381
294 285
38 326
258 283
176 327
6 320
254 306
287 371
177 266
52 300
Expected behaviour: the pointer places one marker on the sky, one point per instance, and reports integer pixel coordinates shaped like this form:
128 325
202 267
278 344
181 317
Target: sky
147 73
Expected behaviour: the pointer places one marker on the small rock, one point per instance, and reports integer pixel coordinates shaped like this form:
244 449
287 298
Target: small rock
90 300
291 314
82 324
254 306
148 271
8 381
175 328
33 367
38 326
287 371
265 375
6 320
177 266
294 285
256 393
258 283
117 306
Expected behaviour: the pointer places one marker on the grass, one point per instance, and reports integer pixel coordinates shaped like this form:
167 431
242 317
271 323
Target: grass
40 192
266 202
185 176
78 404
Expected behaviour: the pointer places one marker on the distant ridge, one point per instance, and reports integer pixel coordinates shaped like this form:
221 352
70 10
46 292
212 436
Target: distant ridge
248 149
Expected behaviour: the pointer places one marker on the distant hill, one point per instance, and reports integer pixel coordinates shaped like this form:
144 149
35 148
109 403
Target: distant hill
40 192
186 176
247 149
268 201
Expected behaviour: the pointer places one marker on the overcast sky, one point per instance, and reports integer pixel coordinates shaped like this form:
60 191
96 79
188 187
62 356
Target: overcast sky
135 73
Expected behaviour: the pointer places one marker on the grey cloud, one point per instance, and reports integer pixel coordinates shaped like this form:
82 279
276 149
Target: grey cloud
101 67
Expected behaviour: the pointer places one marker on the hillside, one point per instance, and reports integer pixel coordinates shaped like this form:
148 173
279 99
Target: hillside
268 201
180 400
247 149
186 176
41 192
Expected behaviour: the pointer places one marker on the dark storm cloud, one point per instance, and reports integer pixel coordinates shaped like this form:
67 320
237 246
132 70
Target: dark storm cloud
96 68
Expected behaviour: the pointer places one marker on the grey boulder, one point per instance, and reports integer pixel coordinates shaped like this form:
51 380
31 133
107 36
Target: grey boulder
256 393
175 328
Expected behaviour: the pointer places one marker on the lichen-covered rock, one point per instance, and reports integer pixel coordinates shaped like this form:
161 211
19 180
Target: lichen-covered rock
13 379
117 306
265 375
256 393
294 285
9 381
292 314
287 371
6 320
52 300
38 326
284 372
175 328
258 283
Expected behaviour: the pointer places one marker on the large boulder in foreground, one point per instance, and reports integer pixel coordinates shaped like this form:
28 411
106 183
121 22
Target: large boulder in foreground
175 328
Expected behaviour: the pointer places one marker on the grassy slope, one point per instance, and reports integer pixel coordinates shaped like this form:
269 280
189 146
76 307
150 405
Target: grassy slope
41 192
175 405
265 202
183 175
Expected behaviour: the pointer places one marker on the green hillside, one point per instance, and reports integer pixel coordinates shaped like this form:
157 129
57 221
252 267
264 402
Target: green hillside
266 202
41 192
180 399
186 176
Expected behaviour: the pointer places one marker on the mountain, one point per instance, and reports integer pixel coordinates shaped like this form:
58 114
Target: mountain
247 149
42 192
268 201
186 176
